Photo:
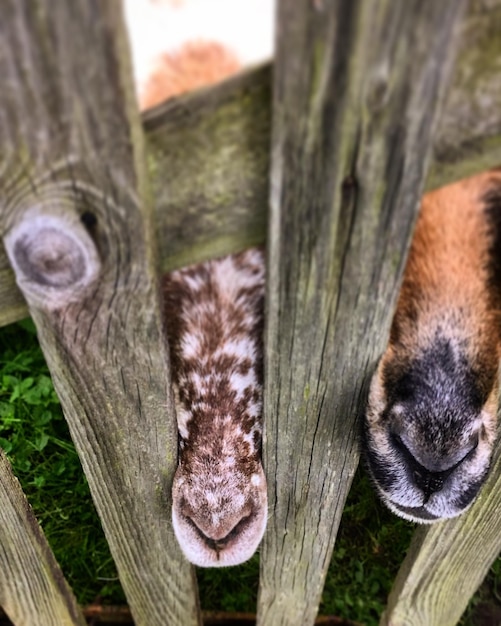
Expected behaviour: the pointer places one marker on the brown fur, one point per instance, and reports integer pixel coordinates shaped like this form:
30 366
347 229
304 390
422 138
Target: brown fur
196 64
431 419
233 314
448 270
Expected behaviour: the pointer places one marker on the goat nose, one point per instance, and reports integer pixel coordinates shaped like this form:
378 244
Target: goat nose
429 482
217 535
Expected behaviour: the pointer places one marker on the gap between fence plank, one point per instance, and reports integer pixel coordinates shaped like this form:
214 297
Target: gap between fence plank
32 587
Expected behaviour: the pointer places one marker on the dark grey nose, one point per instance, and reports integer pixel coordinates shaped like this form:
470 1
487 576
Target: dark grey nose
428 480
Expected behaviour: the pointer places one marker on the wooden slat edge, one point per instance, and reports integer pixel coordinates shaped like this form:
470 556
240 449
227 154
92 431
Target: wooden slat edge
32 587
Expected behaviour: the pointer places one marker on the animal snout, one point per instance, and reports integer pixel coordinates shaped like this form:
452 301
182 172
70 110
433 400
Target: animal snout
218 533
430 470
219 521
429 482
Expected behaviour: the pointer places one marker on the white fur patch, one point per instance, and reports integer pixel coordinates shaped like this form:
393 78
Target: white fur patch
246 27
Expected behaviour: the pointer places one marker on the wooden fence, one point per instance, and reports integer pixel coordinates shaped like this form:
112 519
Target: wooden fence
370 103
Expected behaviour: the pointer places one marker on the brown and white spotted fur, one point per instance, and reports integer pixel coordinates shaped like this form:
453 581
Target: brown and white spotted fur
214 310
430 424
215 325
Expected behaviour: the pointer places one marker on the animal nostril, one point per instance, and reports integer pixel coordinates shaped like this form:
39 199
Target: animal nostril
425 479
429 482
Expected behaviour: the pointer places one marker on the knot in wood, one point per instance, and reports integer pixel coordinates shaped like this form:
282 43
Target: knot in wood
53 258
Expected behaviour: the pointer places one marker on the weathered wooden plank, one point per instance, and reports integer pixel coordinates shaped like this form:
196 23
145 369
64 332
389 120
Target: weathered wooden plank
77 226
215 148
32 587
357 94
447 562
218 202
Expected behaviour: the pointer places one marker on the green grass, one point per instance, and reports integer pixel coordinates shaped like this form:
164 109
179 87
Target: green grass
35 437
370 547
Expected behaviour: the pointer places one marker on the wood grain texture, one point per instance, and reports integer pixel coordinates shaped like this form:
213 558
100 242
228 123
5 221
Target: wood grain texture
447 562
215 148
77 224
33 591
357 95
468 138
216 142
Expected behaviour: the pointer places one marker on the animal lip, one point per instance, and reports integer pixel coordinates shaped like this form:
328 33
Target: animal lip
425 479
419 512
219 544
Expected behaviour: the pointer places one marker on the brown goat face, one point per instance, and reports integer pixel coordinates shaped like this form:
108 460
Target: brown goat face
430 425
214 315
429 436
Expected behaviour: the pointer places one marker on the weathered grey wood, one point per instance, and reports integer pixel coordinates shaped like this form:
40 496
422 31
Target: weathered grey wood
33 591
447 562
469 135
357 94
216 150
215 145
76 223
218 203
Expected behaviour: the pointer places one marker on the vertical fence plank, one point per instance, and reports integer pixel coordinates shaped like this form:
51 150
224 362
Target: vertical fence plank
77 228
357 92
447 562
32 587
